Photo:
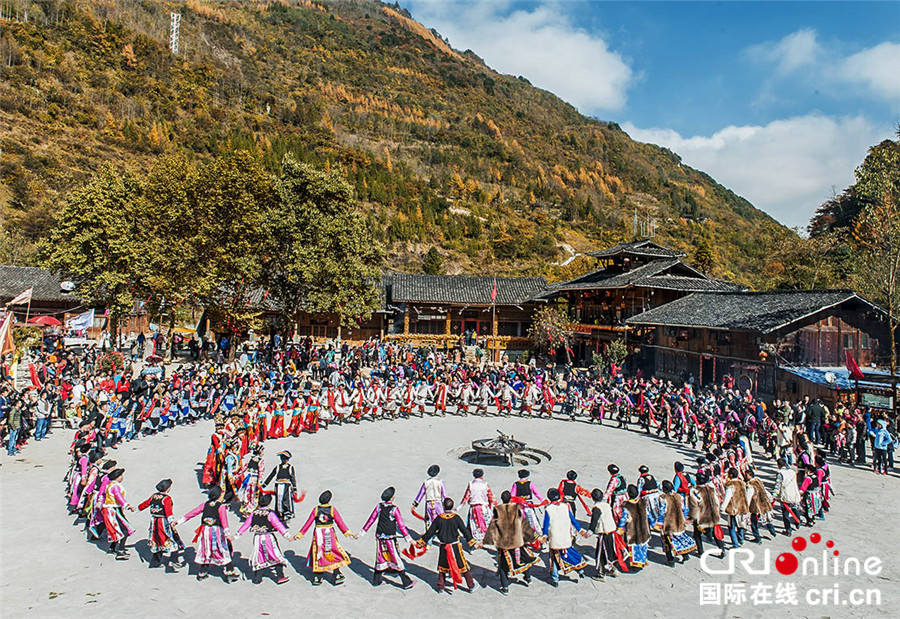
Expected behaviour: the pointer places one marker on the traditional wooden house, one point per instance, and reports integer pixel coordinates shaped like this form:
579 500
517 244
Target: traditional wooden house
631 279
753 335
50 297
451 309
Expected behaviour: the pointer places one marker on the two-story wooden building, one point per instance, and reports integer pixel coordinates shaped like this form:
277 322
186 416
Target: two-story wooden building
631 278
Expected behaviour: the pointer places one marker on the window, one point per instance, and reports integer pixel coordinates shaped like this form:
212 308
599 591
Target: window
864 340
434 327
508 328
848 340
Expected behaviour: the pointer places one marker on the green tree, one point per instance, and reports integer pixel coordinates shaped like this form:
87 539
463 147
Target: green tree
319 254
433 264
96 241
233 198
877 233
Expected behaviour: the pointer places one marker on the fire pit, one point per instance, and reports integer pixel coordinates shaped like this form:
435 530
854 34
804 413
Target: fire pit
505 449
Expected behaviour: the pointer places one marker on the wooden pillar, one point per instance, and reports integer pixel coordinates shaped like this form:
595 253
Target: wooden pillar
447 323
406 320
496 355
819 343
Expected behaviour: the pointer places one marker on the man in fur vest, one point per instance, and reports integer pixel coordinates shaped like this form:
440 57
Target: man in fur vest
634 526
704 511
676 542
509 532
760 506
736 506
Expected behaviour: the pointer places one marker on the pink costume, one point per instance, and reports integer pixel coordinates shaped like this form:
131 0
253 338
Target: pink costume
325 553
480 500
387 555
263 523
78 476
117 526
214 547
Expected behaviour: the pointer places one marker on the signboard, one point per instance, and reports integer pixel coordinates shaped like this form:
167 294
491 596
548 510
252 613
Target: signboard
431 317
876 400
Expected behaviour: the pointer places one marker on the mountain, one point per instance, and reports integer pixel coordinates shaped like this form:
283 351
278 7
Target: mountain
499 176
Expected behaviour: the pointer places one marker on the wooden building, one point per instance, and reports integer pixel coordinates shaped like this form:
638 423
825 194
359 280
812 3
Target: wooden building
751 335
454 309
632 278
48 296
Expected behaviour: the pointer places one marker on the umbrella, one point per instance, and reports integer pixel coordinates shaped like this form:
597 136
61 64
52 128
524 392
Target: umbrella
153 359
45 321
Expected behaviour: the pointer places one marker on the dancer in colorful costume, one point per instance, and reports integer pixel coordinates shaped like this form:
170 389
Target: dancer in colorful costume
163 537
447 527
433 493
325 553
389 527
480 500
263 523
214 536
510 533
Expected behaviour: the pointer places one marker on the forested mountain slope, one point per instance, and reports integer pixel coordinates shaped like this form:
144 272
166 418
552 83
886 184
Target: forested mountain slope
500 176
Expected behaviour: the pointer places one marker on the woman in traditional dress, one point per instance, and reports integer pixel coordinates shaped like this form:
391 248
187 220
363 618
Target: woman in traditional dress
162 537
249 493
214 536
114 505
325 552
263 523
388 530
480 500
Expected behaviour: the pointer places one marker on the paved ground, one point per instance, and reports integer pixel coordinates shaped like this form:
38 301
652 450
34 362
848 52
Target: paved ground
49 569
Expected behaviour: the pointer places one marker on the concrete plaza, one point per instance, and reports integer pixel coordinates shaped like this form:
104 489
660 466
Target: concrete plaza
50 570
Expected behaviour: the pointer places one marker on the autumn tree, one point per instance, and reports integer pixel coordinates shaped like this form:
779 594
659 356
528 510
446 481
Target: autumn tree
96 241
319 254
703 254
550 331
877 233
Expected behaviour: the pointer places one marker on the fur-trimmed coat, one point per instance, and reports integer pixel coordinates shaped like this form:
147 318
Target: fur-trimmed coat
637 525
760 503
735 502
704 506
673 522
508 529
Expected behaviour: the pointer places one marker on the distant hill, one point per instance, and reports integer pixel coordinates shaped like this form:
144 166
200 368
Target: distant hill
443 151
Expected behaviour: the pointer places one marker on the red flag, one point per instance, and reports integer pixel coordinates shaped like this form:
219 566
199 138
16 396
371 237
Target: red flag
852 366
494 292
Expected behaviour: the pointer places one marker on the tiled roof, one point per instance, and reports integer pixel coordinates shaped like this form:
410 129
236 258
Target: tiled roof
14 280
462 289
668 273
637 248
694 284
754 311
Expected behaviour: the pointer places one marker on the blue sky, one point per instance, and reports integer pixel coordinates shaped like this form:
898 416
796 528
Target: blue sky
777 100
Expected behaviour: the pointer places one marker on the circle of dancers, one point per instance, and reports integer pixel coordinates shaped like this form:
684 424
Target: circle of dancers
522 525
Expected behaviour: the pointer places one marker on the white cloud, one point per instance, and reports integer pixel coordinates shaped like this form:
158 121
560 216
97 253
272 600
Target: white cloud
877 68
801 58
541 44
795 51
787 167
